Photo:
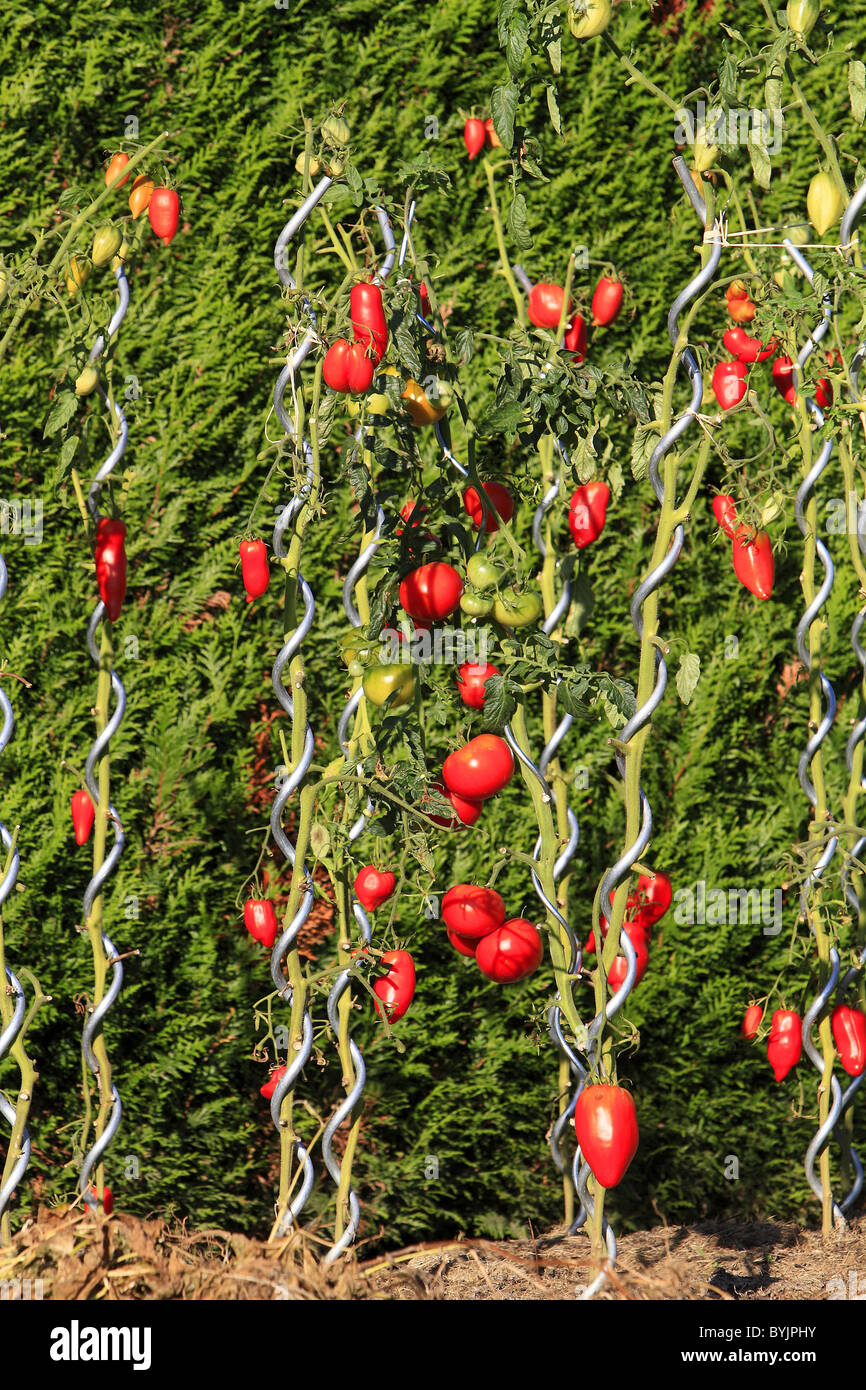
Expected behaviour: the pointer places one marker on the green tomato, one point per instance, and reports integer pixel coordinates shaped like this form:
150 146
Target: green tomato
517 610
336 130
377 403
482 574
356 650
475 605
396 683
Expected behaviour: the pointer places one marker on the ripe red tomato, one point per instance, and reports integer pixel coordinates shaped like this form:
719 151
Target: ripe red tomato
606 301
754 565
373 888
115 164
783 379
747 349
82 815
470 682
545 305
619 965
752 1020
368 319
254 568
729 383
163 211
271 1084
474 136
651 899
741 309
785 1043
481 768
471 911
396 989
511 952
605 1121
107 1194
347 368
725 514
501 499
587 511
260 920
467 809
576 338
823 393
849 1035
431 592
110 556
463 944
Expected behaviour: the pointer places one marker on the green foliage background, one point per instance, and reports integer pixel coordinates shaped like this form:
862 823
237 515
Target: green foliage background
475 1084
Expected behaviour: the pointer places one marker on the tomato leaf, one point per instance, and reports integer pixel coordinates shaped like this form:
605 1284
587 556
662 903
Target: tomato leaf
503 108
499 701
518 223
761 166
516 40
646 437
553 105
857 90
688 675
465 344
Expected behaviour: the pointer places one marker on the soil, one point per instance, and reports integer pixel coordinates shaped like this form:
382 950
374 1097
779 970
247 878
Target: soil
82 1256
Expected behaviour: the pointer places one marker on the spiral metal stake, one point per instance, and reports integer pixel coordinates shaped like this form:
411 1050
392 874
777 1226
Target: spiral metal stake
93 1025
15 1024
815 742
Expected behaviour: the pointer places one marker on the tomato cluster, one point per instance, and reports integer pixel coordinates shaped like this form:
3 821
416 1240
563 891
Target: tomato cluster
785 1039
476 926
644 908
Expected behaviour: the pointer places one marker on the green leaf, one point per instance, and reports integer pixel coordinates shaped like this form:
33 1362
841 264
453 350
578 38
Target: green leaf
688 675
646 437
499 702
857 89
517 39
553 106
64 407
407 351
761 166
502 419
582 605
465 344
503 109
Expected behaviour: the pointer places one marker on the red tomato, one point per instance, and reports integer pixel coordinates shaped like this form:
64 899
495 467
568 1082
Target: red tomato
651 899
373 888
575 339
492 138
849 1035
605 1122
463 944
472 912
638 933
741 308
82 815
754 565
619 965
725 514
467 809
115 164
368 319
501 499
260 920
752 1020
481 768
470 682
545 305
785 1044
431 592
396 989
271 1084
107 1195
474 136
823 393
747 349
783 379
606 301
587 511
110 557
729 383
254 568
347 368
511 952
163 211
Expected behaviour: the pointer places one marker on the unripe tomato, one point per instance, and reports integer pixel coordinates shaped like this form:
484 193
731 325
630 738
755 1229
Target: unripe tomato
163 210
802 15
493 139
606 301
260 920
139 196
587 511
86 381
82 815
271 1084
737 289
785 1043
420 408
729 382
481 768
754 565
482 573
357 650
704 151
431 592
301 161
471 911
474 136
394 682
586 18
511 952
373 888
106 244
115 165
466 809
396 989
824 203
752 1020
77 274
849 1035
470 682
254 568
545 305
501 499
513 609
605 1122
475 605
336 130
